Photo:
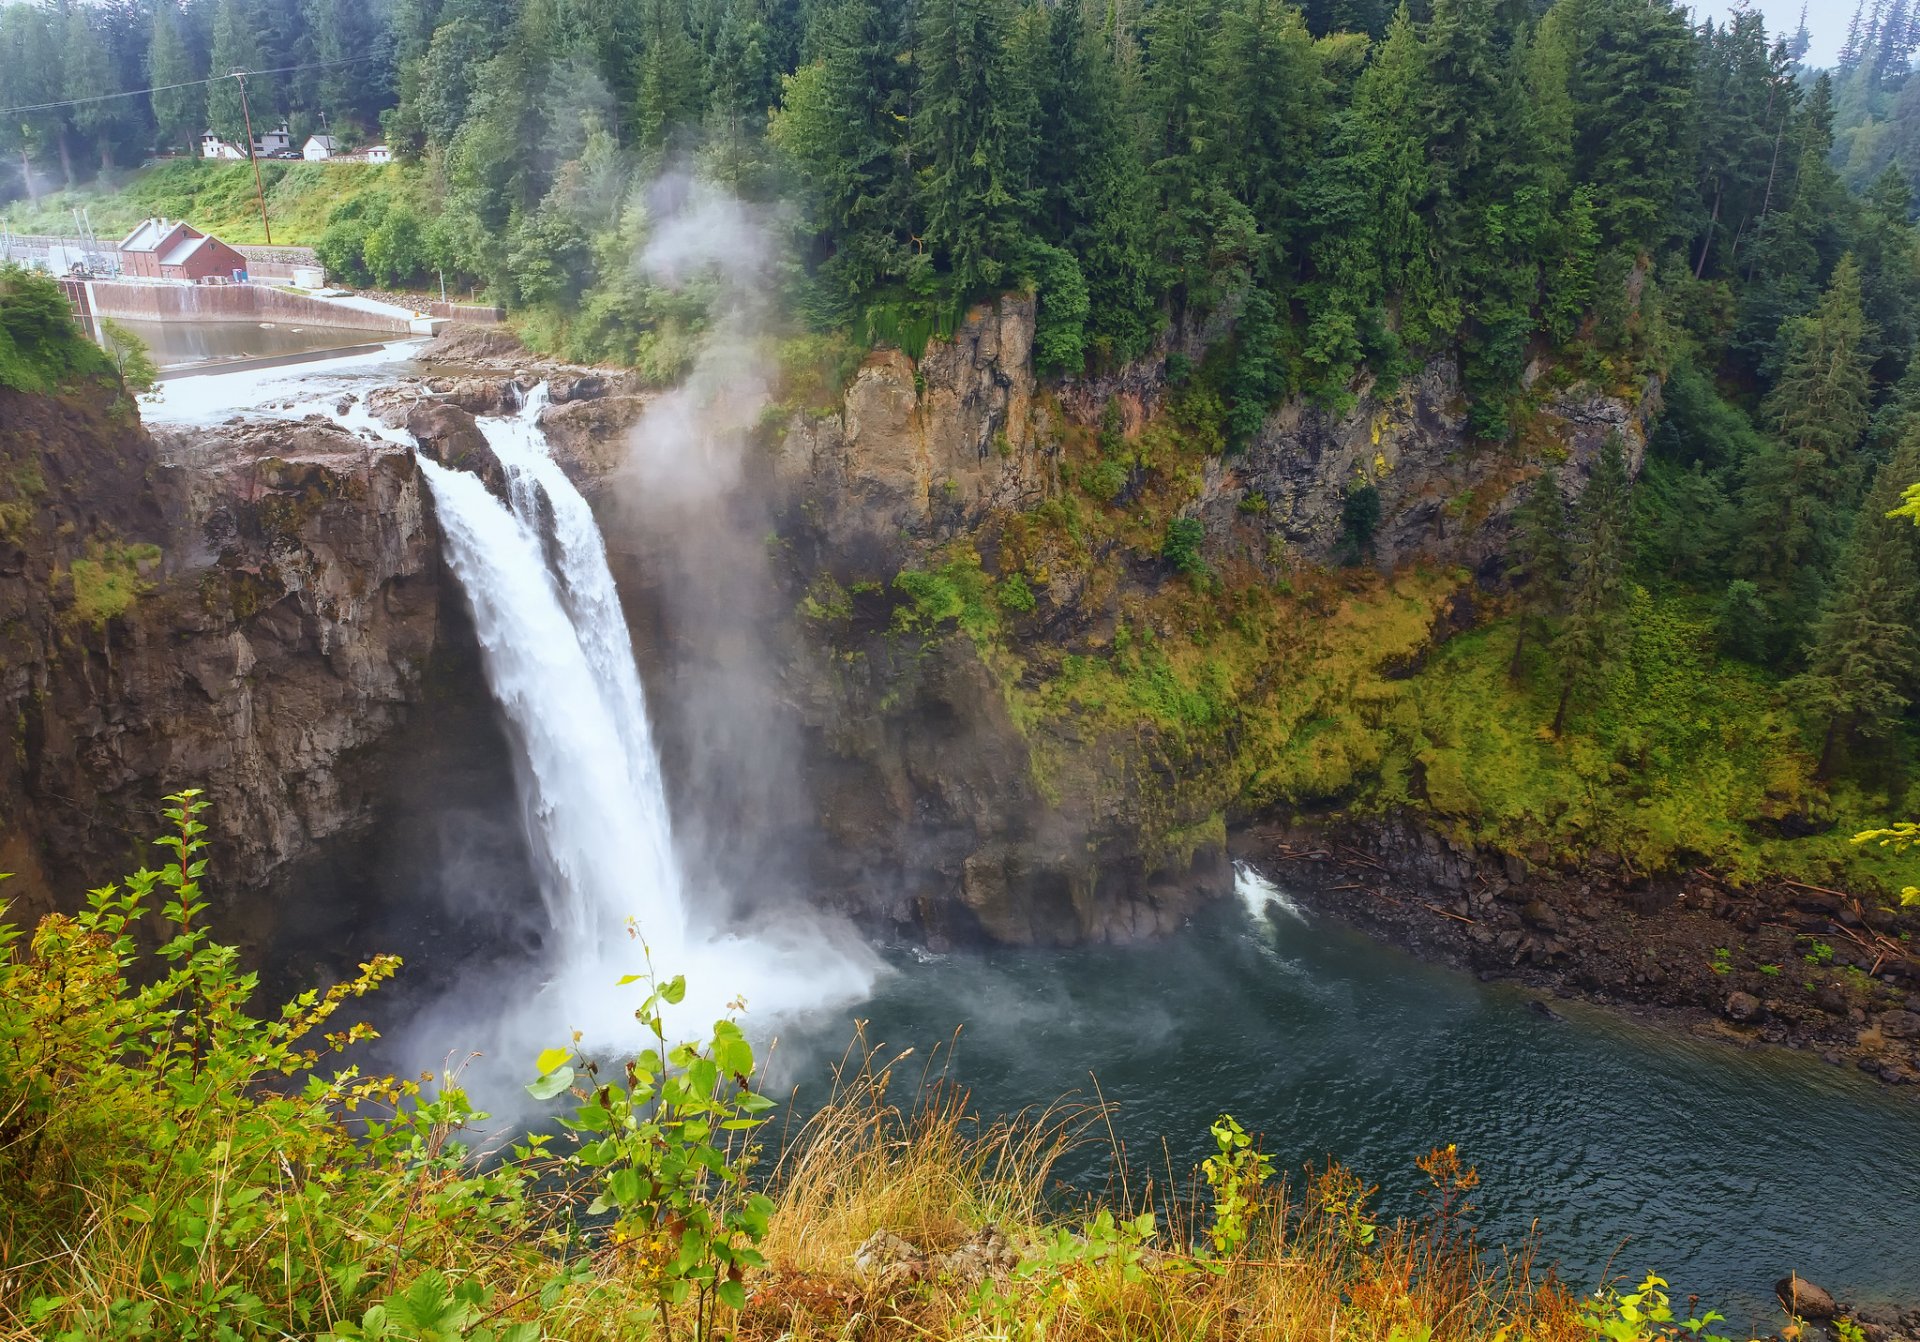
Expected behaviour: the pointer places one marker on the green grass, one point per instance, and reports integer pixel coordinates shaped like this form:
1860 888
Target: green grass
219 198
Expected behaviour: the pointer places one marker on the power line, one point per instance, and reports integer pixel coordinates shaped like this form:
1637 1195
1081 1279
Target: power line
191 83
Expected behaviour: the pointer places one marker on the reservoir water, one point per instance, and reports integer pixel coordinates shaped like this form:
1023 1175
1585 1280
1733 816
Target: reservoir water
174 345
1634 1147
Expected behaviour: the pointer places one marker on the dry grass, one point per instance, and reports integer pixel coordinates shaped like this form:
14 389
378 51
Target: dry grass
928 1172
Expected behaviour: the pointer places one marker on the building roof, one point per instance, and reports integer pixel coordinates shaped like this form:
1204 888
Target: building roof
188 246
324 141
150 235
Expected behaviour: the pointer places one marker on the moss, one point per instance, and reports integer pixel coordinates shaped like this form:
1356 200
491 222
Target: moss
108 582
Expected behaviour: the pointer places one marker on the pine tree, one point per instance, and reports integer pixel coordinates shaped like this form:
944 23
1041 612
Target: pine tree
234 48
1864 652
1792 493
30 75
180 113
1266 113
842 120
961 137
670 92
1537 561
1632 88
1851 49
1823 399
1090 195
87 74
1802 40
1178 91
1592 631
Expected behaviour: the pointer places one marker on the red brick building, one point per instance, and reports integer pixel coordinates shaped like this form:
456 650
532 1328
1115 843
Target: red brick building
166 249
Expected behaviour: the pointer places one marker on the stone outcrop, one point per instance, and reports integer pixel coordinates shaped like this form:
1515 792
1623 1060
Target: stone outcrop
1442 495
247 610
924 451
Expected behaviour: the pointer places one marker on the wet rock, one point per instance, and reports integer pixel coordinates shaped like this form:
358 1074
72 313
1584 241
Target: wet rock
1538 913
1743 1008
448 435
1804 1300
1899 1024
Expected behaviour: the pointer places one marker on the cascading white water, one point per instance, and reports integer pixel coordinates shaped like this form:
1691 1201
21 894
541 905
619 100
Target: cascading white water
559 661
599 840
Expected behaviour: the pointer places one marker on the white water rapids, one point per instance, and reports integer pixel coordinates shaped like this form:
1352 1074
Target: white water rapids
559 661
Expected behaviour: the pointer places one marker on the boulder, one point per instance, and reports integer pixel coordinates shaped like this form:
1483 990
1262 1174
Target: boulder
1744 1008
1899 1024
448 435
1538 913
1804 1300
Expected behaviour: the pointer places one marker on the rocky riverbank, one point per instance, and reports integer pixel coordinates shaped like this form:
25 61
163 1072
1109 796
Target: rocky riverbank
1773 963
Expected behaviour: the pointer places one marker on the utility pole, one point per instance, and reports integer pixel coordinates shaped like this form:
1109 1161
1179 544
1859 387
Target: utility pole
259 192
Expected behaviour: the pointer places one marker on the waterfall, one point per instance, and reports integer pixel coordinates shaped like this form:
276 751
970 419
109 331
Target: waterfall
559 661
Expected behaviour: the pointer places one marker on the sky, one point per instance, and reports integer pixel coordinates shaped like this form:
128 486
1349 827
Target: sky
1826 21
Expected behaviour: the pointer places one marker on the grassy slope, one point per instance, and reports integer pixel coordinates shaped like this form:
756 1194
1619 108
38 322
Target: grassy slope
216 197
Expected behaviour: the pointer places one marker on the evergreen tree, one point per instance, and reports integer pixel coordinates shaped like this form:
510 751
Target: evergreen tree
1632 88
1537 561
670 89
1178 90
962 135
842 120
1792 493
30 75
1864 652
180 113
234 48
1592 631
1090 197
87 75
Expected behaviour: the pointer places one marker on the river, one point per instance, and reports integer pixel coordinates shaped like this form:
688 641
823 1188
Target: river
1631 1145
175 346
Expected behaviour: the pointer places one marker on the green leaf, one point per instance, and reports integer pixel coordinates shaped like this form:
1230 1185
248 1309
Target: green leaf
551 1084
674 990
731 1294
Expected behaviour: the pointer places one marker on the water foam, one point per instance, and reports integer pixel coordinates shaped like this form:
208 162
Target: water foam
1262 897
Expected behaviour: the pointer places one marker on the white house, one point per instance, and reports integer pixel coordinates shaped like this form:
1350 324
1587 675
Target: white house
379 153
319 147
273 141
212 146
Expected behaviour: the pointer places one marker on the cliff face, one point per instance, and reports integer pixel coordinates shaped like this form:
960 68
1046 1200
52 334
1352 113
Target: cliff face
245 610
956 812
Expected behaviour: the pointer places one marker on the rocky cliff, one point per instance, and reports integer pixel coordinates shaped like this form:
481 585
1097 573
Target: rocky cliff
248 610
963 787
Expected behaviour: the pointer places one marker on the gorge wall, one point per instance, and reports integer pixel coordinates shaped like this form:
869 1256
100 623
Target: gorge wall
247 609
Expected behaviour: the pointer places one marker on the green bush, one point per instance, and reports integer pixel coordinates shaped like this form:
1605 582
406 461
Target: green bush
41 349
1180 546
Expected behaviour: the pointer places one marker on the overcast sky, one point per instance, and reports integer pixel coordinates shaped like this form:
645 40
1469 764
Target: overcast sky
1826 21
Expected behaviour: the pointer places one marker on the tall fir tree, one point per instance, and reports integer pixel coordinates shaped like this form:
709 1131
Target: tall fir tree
234 49
962 137
1864 651
179 103
1592 632
843 120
